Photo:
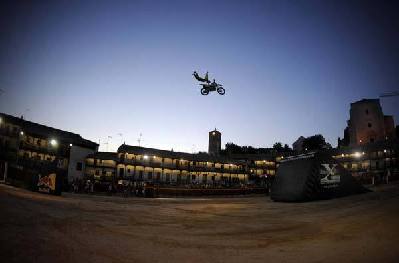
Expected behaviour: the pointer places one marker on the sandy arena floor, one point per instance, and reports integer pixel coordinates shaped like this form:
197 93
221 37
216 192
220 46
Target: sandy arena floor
80 228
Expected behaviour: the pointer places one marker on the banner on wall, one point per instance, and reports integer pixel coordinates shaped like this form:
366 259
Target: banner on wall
49 184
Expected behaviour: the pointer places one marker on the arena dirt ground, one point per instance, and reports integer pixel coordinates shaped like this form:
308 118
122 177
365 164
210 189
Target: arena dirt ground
82 228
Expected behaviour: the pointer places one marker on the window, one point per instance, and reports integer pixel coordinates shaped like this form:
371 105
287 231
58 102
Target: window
79 166
122 171
369 125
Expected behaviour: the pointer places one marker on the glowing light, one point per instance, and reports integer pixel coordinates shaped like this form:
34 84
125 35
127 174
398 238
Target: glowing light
213 133
342 155
360 141
154 157
145 157
357 154
53 142
70 145
1 119
22 133
385 150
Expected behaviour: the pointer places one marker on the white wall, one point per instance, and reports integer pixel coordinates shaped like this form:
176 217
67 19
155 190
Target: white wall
77 154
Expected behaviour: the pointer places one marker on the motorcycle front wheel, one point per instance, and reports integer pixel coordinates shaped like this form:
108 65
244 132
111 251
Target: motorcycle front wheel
204 91
221 91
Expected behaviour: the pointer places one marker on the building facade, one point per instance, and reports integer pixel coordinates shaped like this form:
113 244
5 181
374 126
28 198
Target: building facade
367 124
370 145
370 160
29 148
142 164
164 167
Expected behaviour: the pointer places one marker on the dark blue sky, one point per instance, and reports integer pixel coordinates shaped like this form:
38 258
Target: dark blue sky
290 68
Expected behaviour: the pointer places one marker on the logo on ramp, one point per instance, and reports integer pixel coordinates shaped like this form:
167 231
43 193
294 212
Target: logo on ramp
329 175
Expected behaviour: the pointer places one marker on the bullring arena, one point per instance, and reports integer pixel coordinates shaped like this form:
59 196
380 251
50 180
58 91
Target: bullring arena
90 228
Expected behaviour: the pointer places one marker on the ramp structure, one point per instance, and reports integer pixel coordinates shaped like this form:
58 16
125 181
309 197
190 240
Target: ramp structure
312 176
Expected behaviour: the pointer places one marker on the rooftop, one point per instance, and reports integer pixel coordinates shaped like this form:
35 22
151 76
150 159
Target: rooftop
124 148
40 130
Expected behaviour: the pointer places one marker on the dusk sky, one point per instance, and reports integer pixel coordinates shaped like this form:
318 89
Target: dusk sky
105 68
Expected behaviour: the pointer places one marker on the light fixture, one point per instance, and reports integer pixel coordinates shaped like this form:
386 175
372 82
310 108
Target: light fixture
145 157
70 145
385 150
360 141
22 133
342 155
363 153
357 154
53 142
213 133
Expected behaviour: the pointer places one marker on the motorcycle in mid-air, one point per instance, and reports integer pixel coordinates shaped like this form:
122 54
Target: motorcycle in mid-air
208 86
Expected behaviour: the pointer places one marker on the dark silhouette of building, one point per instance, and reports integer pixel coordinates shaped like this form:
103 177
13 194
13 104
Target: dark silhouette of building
297 145
215 142
367 124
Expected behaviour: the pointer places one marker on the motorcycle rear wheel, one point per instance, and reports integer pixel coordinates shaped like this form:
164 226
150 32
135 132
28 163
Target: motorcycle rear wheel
204 91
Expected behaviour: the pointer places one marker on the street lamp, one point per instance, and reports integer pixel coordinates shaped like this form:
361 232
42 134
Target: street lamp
53 142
